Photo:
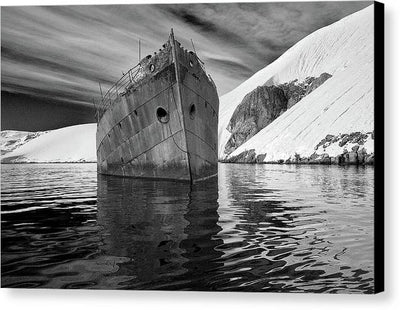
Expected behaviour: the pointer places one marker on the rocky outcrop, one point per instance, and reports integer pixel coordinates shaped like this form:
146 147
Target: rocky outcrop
352 148
315 83
354 139
347 158
257 109
294 92
247 157
342 149
263 105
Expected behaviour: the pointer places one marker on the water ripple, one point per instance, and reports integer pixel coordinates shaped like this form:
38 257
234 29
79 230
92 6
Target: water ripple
269 228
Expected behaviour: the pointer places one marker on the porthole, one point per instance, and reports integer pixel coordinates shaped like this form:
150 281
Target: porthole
152 68
192 111
162 115
191 63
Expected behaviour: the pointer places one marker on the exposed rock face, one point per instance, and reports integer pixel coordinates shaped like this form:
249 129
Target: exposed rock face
315 83
294 92
263 105
356 138
352 145
258 109
248 157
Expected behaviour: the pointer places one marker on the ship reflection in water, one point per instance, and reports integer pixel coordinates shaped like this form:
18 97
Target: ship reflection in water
165 228
256 228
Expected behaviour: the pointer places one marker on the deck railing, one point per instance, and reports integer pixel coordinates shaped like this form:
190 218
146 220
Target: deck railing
120 87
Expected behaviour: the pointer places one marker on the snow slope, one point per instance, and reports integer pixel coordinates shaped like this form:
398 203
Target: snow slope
343 104
68 144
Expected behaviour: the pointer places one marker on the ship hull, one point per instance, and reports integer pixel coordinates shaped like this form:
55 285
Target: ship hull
135 140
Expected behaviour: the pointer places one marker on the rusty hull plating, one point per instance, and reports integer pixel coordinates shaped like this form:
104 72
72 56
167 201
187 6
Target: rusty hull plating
160 120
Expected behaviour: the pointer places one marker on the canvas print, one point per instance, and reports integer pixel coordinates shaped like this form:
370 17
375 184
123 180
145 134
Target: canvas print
206 147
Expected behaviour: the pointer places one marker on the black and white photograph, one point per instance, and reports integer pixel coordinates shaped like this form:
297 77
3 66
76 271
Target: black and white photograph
219 147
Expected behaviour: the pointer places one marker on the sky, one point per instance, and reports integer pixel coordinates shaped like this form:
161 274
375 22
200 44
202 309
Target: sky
53 58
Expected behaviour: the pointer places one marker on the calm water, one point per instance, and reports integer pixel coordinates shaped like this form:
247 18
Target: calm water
257 228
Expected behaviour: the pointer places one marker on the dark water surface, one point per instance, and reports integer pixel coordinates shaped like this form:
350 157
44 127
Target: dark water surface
257 228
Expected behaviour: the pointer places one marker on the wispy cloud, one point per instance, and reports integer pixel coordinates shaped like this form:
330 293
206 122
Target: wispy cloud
64 52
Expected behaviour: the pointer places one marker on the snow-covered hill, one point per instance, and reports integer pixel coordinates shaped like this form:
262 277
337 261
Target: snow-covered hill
69 144
344 104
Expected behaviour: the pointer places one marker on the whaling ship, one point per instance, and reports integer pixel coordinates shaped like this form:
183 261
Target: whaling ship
160 120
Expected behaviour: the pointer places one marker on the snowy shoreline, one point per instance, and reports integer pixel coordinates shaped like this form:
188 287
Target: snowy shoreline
307 161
